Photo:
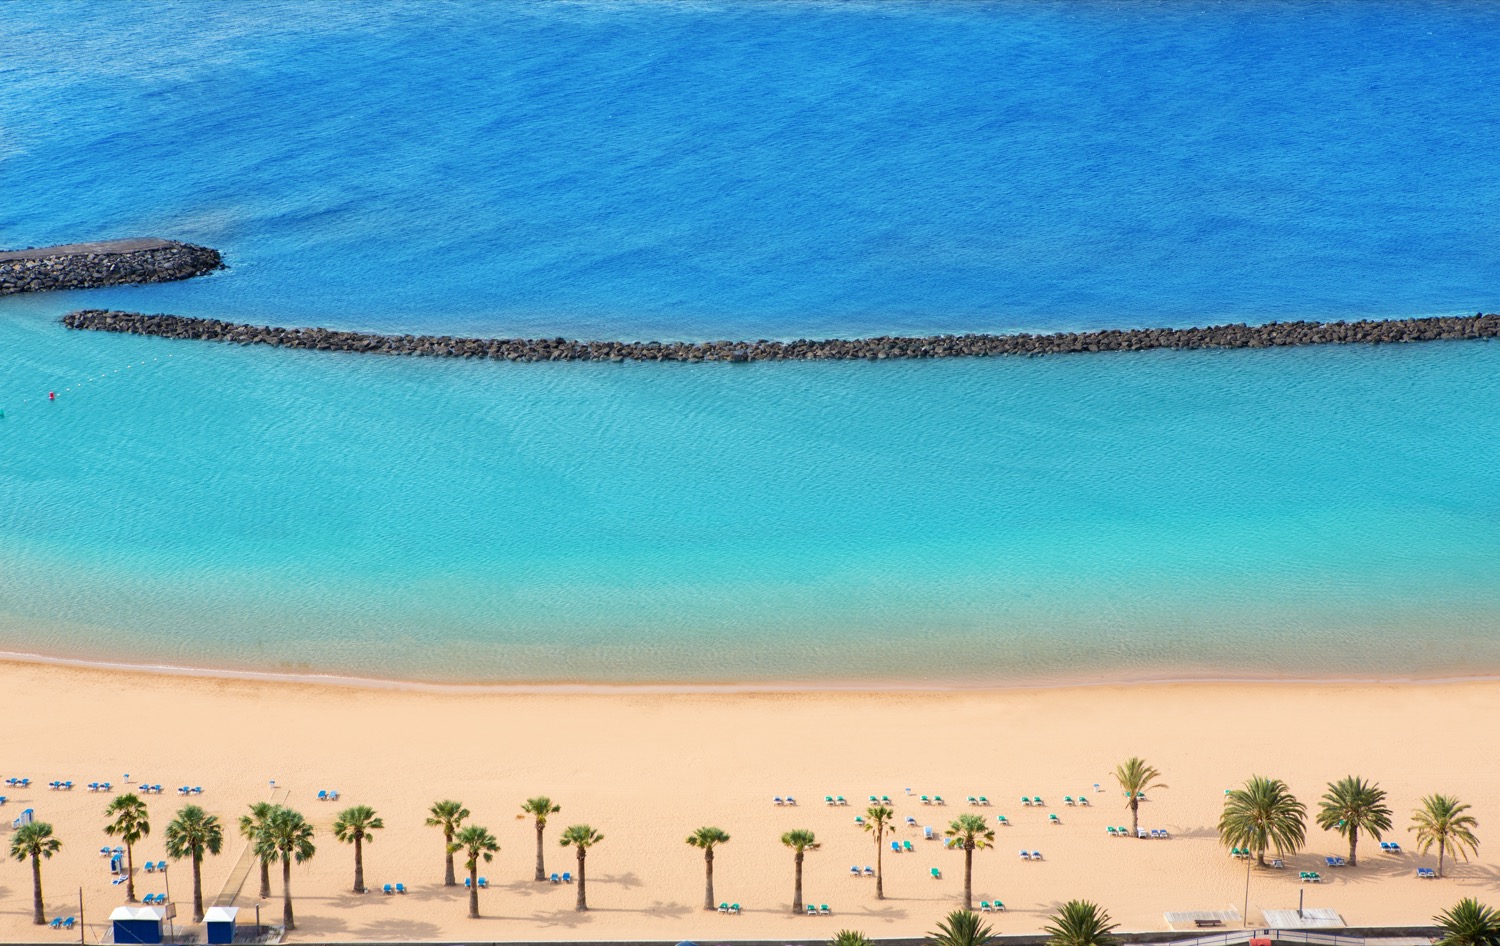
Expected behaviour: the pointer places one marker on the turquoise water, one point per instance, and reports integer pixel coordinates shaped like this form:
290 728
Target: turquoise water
747 170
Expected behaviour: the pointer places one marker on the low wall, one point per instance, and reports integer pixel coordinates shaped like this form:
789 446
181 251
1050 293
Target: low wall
108 263
1274 334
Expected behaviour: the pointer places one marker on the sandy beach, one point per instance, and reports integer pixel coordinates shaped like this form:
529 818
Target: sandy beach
648 768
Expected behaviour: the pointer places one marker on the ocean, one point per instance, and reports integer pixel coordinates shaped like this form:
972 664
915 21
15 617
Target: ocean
758 170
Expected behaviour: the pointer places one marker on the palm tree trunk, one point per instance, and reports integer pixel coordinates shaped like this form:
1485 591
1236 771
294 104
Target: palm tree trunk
197 887
879 867
448 879
541 867
38 914
1353 843
287 920
359 866
265 879
1260 858
130 873
583 898
797 888
474 891
1441 852
968 877
708 878
1135 816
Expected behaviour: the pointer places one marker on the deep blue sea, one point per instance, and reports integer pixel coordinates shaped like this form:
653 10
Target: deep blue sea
703 170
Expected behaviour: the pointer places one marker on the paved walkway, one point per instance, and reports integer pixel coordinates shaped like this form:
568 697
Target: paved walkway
131 245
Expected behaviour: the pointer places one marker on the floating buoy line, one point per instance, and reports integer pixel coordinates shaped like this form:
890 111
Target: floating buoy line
79 386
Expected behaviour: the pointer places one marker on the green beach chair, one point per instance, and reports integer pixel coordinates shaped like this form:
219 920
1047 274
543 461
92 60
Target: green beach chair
1053 819
906 846
936 874
1003 820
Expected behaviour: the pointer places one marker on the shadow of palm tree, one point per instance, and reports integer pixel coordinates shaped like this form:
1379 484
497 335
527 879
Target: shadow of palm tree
411 931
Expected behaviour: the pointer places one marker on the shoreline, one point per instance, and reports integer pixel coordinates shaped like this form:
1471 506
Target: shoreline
1229 336
706 688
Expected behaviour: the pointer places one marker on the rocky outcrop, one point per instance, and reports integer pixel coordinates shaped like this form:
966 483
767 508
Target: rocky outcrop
1270 335
108 263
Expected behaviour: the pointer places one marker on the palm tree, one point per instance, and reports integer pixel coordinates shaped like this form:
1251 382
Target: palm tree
251 826
582 837
1352 804
448 815
478 844
1469 923
356 825
1261 815
35 841
1080 923
130 825
877 819
849 938
970 832
539 808
800 840
1441 821
286 837
190 834
961 928
707 839
1135 777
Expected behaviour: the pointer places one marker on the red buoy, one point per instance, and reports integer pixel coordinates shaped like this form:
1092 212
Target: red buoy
51 395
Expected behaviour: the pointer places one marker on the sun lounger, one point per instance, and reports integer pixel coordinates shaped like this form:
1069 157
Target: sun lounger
1162 833
1037 801
161 865
778 800
1026 800
93 786
936 874
1276 864
401 888
723 908
484 882
790 800
1025 855
983 800
938 800
468 883
1111 830
812 910
856 871
68 923
926 800
896 846
927 834
1311 877
906 846
1053 819
1426 873
1083 800
556 879
823 910
1002 820
869 871
56 923
873 799
734 908
567 877
858 820
911 822
984 906
885 799
150 867
1036 855
842 801
1068 800
388 889
973 800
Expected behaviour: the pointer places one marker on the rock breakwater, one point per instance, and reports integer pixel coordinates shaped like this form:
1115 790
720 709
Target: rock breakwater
108 263
1270 335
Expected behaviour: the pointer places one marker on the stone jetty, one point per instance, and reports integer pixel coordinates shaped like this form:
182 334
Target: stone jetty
1270 335
107 263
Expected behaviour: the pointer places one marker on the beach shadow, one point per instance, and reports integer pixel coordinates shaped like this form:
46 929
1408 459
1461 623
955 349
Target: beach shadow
410 931
883 911
568 919
621 880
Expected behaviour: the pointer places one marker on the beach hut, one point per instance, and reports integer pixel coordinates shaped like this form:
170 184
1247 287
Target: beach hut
138 924
221 922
